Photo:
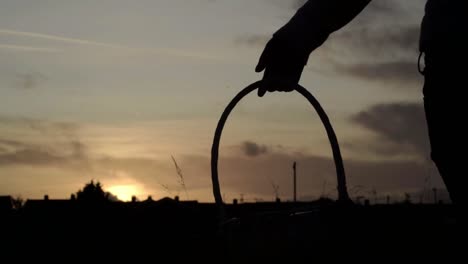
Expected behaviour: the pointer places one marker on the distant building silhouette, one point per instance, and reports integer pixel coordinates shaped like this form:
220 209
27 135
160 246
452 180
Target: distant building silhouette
6 203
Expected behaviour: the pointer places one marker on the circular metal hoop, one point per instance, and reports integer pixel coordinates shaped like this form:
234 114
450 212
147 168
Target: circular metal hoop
340 172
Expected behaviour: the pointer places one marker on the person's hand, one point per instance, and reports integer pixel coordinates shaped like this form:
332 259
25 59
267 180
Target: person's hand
285 57
286 54
283 66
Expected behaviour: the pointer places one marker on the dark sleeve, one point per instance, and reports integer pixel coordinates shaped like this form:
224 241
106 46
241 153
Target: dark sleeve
320 18
331 14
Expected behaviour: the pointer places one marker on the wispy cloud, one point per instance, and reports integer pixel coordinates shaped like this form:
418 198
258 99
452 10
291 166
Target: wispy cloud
78 41
400 128
28 48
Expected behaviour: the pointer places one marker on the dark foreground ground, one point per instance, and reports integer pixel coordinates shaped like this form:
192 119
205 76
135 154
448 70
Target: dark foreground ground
180 232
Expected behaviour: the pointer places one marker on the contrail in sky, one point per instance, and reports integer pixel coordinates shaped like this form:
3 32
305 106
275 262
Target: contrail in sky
77 41
28 48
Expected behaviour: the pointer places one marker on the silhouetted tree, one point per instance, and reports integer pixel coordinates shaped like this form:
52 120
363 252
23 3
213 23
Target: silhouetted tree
17 202
93 192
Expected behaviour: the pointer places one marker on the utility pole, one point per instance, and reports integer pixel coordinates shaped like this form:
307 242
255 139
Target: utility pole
295 182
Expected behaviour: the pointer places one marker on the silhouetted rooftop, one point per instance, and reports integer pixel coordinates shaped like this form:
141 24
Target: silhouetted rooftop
6 203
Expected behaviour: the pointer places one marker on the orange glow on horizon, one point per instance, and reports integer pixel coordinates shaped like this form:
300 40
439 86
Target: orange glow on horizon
125 192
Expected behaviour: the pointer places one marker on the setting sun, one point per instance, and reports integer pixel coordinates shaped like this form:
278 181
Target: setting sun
124 192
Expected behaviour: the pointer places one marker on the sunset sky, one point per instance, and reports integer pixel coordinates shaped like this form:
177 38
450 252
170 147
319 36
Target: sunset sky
111 89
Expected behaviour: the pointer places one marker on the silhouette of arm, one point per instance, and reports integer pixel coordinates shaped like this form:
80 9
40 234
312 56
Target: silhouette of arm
286 54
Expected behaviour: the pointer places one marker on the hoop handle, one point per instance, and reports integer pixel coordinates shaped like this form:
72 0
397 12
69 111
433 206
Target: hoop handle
340 171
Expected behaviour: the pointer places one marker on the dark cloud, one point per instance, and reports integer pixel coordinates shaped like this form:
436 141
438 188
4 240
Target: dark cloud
24 153
253 149
378 54
64 143
397 124
376 42
402 74
31 156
